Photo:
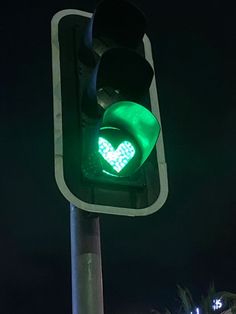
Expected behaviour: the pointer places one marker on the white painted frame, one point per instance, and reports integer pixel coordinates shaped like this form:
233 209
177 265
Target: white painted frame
58 138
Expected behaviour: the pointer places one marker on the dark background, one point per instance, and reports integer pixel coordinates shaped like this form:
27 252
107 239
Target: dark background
191 240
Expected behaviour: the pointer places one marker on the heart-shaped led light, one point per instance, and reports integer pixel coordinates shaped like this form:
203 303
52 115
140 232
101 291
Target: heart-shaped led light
117 158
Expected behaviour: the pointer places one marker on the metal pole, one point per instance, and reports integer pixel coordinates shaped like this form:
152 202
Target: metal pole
86 266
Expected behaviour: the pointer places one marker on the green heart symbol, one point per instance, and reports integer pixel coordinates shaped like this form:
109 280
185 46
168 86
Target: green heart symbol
118 158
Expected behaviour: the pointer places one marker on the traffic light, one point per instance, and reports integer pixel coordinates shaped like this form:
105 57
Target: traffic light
109 152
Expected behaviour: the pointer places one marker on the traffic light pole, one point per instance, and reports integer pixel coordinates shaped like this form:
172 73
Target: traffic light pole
86 266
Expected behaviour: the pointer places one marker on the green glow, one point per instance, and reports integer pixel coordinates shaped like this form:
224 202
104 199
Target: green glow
140 125
118 158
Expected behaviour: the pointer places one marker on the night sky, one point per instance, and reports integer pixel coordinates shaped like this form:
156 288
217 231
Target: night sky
191 241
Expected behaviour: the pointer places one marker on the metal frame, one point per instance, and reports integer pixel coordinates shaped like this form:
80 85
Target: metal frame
58 139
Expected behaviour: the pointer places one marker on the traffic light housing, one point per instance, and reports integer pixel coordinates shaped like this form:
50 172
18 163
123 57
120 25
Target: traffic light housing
109 152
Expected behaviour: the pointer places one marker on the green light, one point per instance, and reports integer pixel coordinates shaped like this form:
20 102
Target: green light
128 134
118 158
